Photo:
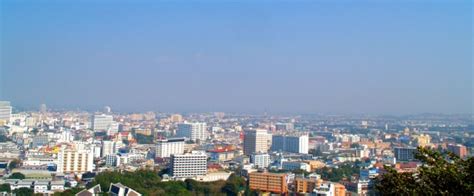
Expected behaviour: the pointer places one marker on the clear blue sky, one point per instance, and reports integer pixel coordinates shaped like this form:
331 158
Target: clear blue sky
393 57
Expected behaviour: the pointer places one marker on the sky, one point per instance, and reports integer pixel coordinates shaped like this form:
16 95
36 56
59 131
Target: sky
375 57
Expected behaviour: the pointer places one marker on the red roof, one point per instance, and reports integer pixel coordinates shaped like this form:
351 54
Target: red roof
408 165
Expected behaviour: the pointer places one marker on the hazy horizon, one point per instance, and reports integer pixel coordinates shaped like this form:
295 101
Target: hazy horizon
390 57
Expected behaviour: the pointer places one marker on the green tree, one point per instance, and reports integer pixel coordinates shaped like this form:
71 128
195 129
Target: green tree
440 174
17 175
5 188
69 192
233 185
23 192
337 174
13 164
148 182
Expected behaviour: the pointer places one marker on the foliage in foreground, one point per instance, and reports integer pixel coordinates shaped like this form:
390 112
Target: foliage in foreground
440 174
17 175
148 182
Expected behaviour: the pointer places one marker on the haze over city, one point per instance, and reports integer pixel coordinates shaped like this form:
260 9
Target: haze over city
236 97
387 57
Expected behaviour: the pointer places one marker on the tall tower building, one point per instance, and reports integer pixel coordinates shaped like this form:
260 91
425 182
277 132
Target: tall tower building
192 131
71 160
256 140
291 143
5 111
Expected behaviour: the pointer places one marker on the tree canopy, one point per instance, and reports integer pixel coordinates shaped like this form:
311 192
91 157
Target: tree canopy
344 170
440 174
148 182
5 188
17 175
23 192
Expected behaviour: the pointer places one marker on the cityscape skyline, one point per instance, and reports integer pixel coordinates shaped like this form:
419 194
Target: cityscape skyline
248 57
237 98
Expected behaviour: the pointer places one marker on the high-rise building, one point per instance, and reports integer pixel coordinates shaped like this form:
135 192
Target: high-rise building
71 160
268 182
108 148
404 153
260 160
256 140
167 147
104 123
192 131
291 143
189 165
458 149
5 111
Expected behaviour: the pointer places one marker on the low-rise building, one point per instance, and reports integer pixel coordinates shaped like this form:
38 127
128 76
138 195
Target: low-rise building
268 182
306 185
295 165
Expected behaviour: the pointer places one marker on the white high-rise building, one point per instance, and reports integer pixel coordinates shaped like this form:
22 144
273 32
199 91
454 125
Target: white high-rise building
192 131
260 160
189 165
165 148
256 140
5 111
104 123
108 148
71 160
291 143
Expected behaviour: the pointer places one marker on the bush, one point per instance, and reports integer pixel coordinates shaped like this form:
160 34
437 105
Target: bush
17 175
440 174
